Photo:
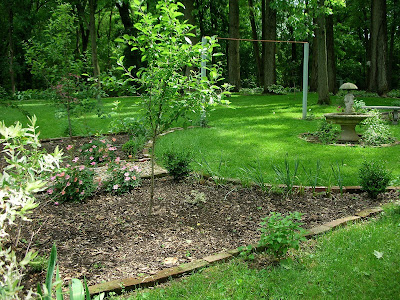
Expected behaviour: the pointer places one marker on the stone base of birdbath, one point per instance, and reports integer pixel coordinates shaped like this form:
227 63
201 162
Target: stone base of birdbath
348 123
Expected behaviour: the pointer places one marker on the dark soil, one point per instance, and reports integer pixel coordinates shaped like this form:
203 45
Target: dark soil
110 237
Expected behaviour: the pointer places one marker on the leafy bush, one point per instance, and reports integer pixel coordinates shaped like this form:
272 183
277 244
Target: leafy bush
327 133
177 163
73 183
98 151
377 131
133 146
280 233
122 179
394 94
374 178
277 89
26 173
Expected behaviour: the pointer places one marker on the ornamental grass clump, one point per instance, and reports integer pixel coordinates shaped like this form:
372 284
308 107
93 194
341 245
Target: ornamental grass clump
374 178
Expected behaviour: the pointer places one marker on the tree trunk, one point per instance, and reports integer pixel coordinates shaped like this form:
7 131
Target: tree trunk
233 54
393 30
256 47
378 74
11 49
132 58
323 87
93 38
269 48
330 49
314 65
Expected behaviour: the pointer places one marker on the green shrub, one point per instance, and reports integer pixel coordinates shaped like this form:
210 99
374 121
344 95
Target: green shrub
280 233
98 151
177 163
134 145
327 133
122 179
73 183
374 178
377 131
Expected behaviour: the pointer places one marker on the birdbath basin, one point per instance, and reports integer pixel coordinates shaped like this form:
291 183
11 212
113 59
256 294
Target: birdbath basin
348 123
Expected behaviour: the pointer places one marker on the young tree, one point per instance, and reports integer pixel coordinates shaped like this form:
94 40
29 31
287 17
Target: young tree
269 49
168 94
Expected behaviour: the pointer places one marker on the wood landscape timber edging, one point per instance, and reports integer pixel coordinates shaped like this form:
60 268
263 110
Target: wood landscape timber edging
129 284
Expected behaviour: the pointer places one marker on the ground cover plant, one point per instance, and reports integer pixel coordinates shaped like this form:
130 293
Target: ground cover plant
358 261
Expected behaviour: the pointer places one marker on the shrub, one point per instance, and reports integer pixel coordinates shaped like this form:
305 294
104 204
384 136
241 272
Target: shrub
133 146
177 163
327 133
122 179
374 178
73 183
377 131
98 151
280 233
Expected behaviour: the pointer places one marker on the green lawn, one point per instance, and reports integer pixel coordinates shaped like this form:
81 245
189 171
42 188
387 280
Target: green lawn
360 261
254 131
264 130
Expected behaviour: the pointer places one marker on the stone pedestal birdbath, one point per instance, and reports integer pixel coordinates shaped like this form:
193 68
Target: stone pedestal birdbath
348 120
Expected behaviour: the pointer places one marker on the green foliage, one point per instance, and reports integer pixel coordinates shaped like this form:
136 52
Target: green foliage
277 89
122 178
280 233
73 183
327 133
98 151
39 263
255 174
286 175
130 125
195 198
25 173
77 290
374 178
178 163
377 131
134 145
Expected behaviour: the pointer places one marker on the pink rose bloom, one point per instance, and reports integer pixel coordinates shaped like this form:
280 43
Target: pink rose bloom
75 159
134 177
115 187
75 179
68 165
82 193
94 146
93 163
91 158
68 183
113 139
81 167
103 141
56 203
53 178
50 191
90 149
69 147
117 159
127 179
62 192
61 174
67 176
126 174
123 167
80 181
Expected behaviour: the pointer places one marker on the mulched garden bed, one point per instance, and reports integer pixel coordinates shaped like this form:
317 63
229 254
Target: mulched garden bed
110 237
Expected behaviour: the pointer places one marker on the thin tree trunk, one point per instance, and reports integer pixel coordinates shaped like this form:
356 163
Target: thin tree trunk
323 87
256 47
314 65
93 38
331 58
233 54
11 49
109 39
153 143
393 31
378 75
269 48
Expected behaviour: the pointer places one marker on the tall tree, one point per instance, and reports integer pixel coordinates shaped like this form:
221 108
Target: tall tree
11 48
269 49
320 34
394 29
256 47
378 74
330 52
93 37
234 45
